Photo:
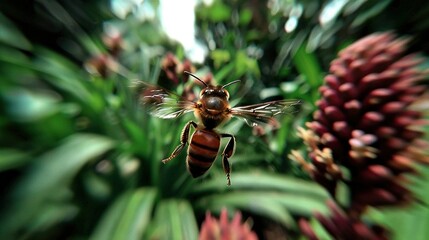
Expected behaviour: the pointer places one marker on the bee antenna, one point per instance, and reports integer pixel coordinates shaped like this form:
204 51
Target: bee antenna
205 84
226 85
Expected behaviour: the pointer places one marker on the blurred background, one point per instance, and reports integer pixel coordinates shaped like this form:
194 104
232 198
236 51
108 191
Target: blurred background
80 157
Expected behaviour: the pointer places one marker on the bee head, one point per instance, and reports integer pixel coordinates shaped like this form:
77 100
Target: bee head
209 90
214 91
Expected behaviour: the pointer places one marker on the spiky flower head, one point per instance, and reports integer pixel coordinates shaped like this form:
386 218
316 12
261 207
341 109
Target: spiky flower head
101 65
365 131
222 229
173 70
114 42
340 226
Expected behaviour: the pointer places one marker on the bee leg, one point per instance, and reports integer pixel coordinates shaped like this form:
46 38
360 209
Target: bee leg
183 140
227 153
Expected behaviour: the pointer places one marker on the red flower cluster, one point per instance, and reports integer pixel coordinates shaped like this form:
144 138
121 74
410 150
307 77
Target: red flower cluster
222 229
104 63
173 69
365 131
341 226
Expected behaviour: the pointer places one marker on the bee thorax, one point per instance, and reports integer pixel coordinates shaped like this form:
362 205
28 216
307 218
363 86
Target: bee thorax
215 103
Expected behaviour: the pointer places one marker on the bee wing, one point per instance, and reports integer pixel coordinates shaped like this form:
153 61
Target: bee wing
263 113
164 104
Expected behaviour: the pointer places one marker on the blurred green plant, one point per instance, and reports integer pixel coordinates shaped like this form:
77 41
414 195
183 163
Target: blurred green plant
87 160
81 158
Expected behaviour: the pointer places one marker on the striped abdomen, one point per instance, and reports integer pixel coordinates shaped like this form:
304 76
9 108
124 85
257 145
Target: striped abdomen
202 151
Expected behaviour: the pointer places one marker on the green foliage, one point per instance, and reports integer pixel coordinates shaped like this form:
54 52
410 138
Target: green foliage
80 157
128 217
174 219
11 36
217 12
32 202
411 221
268 195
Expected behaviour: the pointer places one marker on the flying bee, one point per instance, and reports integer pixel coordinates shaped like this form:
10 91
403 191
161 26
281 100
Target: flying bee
211 109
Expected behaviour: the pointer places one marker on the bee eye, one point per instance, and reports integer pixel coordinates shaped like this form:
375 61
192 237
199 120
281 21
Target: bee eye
205 92
227 94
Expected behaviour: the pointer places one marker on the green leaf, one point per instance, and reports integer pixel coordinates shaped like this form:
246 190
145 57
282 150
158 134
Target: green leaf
189 223
319 229
255 156
372 12
19 59
29 106
403 222
271 204
175 219
412 220
264 181
63 163
128 217
219 12
271 195
62 15
263 207
65 75
220 57
245 16
244 64
51 214
420 187
307 65
49 173
10 35
12 158
225 71
134 131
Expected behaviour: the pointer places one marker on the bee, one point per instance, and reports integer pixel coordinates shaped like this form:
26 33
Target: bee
212 109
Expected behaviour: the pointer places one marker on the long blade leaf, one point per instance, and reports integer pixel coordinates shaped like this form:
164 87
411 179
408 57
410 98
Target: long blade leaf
50 173
128 217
